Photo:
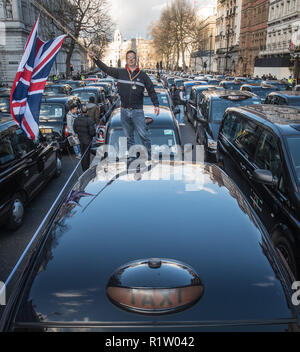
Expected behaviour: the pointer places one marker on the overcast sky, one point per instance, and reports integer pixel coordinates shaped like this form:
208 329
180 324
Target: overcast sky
133 17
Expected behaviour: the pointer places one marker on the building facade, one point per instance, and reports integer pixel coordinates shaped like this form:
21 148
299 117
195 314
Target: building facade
202 60
228 24
253 34
282 38
16 20
115 54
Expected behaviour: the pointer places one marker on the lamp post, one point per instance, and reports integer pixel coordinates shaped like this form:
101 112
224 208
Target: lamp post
210 37
228 34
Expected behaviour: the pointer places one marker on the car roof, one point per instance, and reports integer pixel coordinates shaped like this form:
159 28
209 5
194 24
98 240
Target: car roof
233 258
286 118
232 82
158 91
7 122
88 88
207 87
60 100
164 119
228 92
287 93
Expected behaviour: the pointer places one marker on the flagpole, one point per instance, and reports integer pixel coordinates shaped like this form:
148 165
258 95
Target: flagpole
41 7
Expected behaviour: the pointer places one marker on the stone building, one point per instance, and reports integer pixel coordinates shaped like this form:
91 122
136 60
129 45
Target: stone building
16 20
252 35
283 35
228 23
115 53
202 59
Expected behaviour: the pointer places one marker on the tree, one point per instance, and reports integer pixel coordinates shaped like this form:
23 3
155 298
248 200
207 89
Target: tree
174 32
88 21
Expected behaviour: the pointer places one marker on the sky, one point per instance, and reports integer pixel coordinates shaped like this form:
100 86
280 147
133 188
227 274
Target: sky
133 17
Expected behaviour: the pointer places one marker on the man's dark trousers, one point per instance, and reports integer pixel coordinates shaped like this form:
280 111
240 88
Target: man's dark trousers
86 156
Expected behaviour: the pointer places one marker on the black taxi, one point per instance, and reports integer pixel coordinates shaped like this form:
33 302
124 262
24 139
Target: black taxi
213 105
290 98
25 167
53 118
164 131
258 147
143 252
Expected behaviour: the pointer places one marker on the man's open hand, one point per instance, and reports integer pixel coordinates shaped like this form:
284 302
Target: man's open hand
91 54
156 110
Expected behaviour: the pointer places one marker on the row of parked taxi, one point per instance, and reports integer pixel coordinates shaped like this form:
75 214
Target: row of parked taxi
168 255
252 130
27 166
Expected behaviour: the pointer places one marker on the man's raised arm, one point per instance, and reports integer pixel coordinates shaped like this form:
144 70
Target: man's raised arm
113 72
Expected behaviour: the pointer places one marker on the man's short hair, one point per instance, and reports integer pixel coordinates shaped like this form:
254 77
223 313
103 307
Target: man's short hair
91 99
73 106
84 108
131 52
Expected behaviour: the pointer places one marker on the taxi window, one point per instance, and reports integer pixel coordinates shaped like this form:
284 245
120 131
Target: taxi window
6 151
51 112
193 96
205 107
53 91
247 137
231 126
268 154
84 96
22 144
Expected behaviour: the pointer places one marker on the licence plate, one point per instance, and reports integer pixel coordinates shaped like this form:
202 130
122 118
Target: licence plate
46 130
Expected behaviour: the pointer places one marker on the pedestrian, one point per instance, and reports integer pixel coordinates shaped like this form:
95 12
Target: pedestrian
181 104
93 110
132 82
174 95
71 116
82 77
85 129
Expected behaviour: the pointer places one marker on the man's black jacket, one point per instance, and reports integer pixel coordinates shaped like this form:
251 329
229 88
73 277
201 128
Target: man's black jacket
85 128
131 98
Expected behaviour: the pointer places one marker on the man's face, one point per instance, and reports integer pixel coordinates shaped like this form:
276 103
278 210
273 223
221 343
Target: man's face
131 59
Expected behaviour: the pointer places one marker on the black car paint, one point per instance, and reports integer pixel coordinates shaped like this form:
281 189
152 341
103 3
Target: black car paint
207 128
246 284
58 126
28 172
278 207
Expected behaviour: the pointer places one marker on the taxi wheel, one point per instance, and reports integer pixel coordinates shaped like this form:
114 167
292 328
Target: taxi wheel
283 244
16 212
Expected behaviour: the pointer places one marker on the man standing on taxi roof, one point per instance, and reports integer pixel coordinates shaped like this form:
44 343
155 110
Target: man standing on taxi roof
132 82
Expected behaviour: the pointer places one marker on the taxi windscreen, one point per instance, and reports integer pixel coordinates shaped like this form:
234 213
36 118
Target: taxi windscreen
220 105
51 112
162 98
159 137
52 91
84 96
4 104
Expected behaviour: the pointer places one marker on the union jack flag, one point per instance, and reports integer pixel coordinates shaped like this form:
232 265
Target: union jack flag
30 81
